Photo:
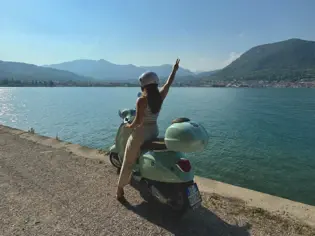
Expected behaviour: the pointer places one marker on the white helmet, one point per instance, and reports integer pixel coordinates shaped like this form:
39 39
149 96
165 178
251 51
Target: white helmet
148 78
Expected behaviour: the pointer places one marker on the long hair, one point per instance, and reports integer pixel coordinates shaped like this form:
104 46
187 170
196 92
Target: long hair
154 97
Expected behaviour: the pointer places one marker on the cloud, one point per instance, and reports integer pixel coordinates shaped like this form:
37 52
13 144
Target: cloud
232 57
208 64
241 35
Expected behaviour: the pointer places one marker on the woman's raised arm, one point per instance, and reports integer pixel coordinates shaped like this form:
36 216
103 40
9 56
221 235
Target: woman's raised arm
167 85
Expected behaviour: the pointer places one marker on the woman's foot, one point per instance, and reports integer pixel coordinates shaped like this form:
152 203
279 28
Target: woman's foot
120 193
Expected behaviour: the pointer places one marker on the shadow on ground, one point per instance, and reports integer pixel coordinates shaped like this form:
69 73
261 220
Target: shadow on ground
199 222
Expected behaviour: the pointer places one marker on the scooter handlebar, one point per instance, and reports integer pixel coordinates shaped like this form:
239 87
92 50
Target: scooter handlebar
127 121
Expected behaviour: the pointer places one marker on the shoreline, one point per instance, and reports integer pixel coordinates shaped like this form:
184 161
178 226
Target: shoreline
175 86
303 212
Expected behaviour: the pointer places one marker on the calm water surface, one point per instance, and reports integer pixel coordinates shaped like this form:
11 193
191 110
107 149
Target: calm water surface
262 139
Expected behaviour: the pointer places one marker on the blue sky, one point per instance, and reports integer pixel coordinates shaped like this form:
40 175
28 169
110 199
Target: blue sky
205 34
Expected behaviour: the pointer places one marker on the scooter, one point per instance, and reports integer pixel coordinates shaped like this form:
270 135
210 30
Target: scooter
162 171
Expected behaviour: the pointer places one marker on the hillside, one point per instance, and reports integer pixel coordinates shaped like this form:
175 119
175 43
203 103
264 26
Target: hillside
286 60
104 70
28 72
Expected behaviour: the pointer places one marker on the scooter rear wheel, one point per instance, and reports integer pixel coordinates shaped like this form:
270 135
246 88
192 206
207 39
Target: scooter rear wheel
145 192
179 204
177 200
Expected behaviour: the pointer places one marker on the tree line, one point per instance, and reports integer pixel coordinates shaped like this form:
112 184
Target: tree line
21 83
70 83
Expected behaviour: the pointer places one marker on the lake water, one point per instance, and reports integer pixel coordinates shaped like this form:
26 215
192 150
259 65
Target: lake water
262 139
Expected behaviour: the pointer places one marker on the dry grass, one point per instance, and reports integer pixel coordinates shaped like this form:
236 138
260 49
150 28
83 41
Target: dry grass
102 151
257 218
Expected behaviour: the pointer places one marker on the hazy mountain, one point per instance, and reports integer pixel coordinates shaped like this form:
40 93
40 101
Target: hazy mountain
207 73
27 72
285 60
104 70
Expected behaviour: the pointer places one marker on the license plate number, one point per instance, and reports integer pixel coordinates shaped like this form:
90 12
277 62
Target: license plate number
193 194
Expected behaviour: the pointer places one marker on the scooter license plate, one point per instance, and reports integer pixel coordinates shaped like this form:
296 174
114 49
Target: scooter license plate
193 194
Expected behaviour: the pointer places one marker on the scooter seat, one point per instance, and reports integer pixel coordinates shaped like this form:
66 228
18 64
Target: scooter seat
155 144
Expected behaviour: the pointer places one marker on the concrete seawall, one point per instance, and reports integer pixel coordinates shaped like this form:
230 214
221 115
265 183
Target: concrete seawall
302 212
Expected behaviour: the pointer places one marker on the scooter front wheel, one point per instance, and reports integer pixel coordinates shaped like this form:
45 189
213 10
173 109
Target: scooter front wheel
114 159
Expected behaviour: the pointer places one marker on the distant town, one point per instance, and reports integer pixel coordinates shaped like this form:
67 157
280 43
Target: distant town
260 84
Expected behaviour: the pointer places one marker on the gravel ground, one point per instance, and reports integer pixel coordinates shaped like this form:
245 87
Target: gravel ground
46 191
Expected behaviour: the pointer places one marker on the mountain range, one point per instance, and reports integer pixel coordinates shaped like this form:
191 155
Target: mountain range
105 70
286 60
83 71
28 72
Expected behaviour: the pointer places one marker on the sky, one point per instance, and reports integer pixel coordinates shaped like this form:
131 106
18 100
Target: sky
204 34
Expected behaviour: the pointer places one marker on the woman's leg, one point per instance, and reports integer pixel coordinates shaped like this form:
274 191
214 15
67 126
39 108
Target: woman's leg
132 152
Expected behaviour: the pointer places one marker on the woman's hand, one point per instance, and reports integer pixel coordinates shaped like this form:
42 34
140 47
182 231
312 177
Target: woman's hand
176 65
128 125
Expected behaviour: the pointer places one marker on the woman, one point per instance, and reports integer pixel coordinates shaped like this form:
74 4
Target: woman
144 124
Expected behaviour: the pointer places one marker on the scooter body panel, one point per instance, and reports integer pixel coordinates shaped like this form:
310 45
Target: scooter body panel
162 167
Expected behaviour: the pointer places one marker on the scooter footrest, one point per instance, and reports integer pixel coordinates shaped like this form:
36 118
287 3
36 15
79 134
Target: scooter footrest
136 173
156 144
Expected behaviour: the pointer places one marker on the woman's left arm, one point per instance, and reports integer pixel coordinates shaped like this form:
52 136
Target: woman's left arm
138 120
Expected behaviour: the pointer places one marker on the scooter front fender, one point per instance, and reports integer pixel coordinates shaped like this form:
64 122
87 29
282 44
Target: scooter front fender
113 149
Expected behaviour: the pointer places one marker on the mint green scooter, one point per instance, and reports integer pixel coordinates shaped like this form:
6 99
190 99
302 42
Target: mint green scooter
162 170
